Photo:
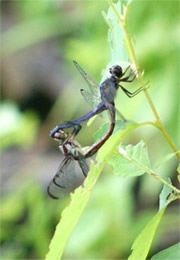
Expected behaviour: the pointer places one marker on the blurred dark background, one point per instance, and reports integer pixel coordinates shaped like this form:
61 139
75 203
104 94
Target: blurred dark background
40 88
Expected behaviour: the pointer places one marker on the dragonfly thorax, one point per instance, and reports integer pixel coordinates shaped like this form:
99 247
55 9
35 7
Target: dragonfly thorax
108 89
71 149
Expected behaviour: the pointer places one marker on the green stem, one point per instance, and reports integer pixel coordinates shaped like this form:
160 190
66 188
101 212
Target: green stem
148 123
131 51
150 172
176 197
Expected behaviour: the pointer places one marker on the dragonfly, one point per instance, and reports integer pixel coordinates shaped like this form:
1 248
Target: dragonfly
72 170
101 97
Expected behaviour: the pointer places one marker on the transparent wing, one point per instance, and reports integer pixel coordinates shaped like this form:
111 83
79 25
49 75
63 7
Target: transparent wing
68 177
93 85
84 166
93 97
93 101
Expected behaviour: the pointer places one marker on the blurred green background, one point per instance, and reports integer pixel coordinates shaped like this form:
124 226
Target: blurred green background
40 88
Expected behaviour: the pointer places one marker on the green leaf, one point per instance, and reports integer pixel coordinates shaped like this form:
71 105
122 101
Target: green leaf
127 168
91 120
115 35
107 149
143 242
165 195
116 43
170 253
103 129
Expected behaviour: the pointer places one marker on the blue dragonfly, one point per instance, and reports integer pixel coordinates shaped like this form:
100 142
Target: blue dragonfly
101 97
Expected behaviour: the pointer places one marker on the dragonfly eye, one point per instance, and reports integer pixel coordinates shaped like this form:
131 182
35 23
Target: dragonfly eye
60 135
116 71
57 136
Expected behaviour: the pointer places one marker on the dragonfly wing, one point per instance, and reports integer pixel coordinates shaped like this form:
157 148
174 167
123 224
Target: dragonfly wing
84 166
93 101
93 98
93 85
68 177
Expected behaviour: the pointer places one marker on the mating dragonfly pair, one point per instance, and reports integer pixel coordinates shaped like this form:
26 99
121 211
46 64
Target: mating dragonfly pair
101 97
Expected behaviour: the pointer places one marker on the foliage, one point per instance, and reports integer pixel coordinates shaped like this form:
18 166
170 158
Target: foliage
142 244
18 129
172 252
108 210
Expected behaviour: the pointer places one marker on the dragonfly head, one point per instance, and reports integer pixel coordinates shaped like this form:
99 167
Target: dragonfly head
116 71
60 136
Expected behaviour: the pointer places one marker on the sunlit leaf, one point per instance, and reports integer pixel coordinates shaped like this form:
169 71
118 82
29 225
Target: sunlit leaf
115 40
115 35
124 167
144 240
91 120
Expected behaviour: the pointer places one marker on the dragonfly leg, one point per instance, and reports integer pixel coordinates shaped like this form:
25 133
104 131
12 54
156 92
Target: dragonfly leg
131 94
61 126
76 128
64 125
126 70
127 79
121 116
69 124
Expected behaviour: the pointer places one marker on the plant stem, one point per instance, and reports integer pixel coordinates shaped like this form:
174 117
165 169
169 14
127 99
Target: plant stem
130 48
150 172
